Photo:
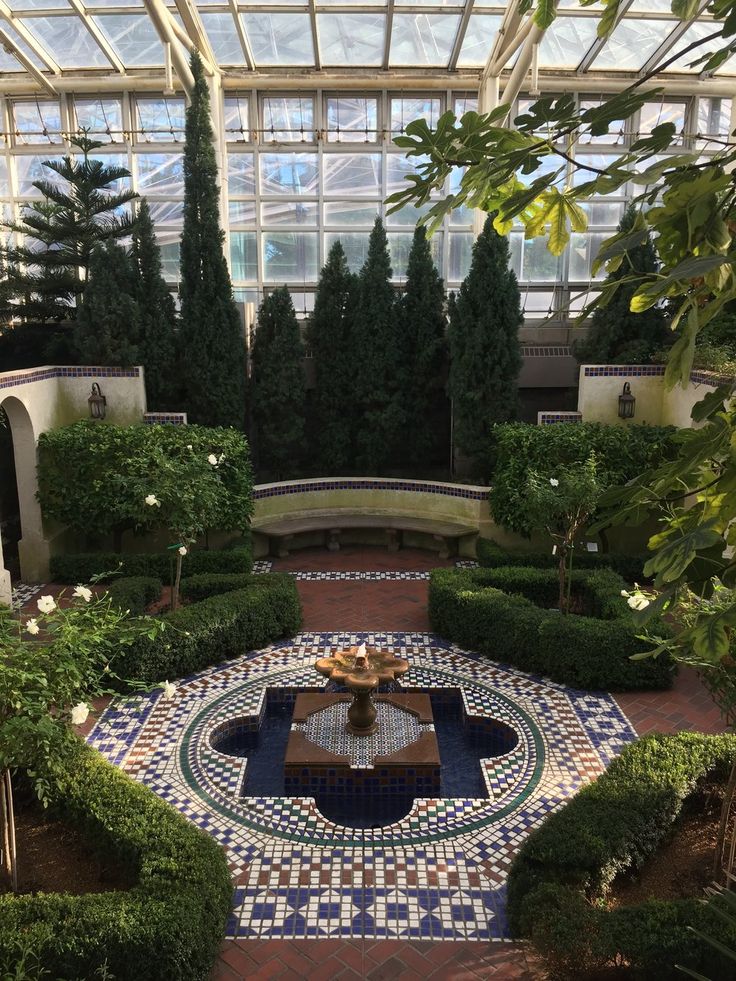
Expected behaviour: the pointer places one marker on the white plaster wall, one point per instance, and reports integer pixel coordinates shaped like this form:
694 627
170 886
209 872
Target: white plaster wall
598 398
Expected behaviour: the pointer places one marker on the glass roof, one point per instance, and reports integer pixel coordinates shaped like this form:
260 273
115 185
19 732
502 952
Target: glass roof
72 35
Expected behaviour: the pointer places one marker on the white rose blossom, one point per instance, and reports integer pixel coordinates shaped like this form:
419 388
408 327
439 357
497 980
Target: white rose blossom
32 626
183 550
80 713
83 592
638 602
212 459
221 458
189 446
169 689
46 604
554 481
625 594
152 501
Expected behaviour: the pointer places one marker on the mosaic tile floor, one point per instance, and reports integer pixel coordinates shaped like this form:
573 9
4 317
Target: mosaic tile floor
439 873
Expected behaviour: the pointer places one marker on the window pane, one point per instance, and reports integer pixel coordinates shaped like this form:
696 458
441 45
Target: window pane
403 111
399 244
68 42
351 39
538 264
615 132
237 119
290 256
566 42
37 122
397 168
714 114
241 212
288 119
352 173
465 103
461 249
169 257
103 118
479 37
655 113
583 249
603 212
29 169
162 173
352 120
351 213
224 38
4 178
243 256
134 38
289 173
408 215
289 212
167 214
160 120
355 245
632 43
423 39
241 173
279 39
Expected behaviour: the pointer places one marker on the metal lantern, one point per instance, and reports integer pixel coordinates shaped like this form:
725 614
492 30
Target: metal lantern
97 402
626 403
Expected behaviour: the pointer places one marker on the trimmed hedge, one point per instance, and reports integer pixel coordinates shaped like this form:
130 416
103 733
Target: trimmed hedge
630 567
134 593
496 612
215 629
82 566
612 825
169 925
196 588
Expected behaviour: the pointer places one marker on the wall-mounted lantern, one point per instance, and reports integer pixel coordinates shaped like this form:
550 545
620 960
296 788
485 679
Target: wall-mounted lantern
626 403
97 402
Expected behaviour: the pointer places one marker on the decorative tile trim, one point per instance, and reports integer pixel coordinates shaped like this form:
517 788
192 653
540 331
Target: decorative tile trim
697 377
11 379
549 418
545 351
262 491
162 418
710 378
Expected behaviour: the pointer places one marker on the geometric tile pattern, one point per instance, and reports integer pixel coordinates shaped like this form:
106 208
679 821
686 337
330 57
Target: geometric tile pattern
437 874
23 592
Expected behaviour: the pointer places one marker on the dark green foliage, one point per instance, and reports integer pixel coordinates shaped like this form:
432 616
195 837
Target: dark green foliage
377 406
169 925
495 612
135 593
108 328
618 336
423 352
30 345
211 342
330 338
621 452
82 566
157 317
485 355
48 271
610 826
217 628
205 584
630 567
277 387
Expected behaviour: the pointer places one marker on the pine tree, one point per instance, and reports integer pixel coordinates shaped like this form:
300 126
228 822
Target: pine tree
157 317
616 334
329 338
277 387
48 270
378 417
107 331
485 356
211 341
421 322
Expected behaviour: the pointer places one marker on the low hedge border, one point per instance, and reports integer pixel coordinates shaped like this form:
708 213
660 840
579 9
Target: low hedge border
169 925
614 824
196 588
495 612
134 593
490 555
82 566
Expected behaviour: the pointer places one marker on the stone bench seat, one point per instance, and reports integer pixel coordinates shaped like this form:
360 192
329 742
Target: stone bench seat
281 531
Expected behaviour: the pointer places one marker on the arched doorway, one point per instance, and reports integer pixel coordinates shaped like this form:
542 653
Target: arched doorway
10 533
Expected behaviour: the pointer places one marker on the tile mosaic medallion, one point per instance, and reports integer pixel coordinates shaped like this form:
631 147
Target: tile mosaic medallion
437 874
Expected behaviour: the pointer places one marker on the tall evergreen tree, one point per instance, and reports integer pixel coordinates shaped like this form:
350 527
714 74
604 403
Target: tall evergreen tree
157 317
616 334
277 387
421 323
107 331
329 335
378 406
211 338
48 270
485 355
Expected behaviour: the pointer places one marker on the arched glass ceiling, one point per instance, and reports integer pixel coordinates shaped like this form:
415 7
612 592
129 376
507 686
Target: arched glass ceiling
73 35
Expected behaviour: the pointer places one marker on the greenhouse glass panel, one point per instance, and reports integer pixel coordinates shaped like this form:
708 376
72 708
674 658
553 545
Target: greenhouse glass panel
241 178
695 32
27 51
68 42
408 215
167 214
461 252
399 246
288 119
351 39
118 160
616 129
538 263
279 39
404 110
237 119
351 212
567 41
655 113
423 39
584 247
713 120
29 169
161 173
37 4
160 120
169 257
102 118
223 38
241 212
632 44
37 122
352 119
356 174
289 173
290 256
478 41
133 37
355 246
465 103
289 213
4 178
398 167
603 212
244 256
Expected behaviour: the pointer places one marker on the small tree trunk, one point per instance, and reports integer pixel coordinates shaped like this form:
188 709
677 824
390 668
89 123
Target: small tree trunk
177 583
7 815
723 825
562 570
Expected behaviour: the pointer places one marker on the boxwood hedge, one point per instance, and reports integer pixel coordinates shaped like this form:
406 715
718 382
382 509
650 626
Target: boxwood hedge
564 868
630 567
503 613
169 925
134 593
82 566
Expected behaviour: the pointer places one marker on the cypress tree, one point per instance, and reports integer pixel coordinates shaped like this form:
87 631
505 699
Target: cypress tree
211 335
485 356
107 331
421 317
277 387
378 419
616 334
329 338
157 317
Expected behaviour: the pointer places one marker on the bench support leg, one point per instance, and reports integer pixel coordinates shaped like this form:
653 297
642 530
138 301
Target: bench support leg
394 539
333 539
279 545
446 546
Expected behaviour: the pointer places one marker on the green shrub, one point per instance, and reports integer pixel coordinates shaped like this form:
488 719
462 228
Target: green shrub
630 567
496 612
81 567
196 588
215 629
169 925
135 593
610 826
621 452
